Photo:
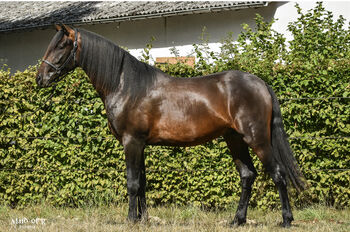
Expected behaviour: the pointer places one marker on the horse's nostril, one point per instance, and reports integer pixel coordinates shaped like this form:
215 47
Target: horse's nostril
39 79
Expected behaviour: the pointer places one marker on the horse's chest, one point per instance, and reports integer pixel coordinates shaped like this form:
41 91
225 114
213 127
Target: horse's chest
116 120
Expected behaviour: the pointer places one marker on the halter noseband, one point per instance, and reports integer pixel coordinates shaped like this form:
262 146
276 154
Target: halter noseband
71 56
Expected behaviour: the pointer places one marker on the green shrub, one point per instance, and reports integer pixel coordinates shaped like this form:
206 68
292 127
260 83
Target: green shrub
59 149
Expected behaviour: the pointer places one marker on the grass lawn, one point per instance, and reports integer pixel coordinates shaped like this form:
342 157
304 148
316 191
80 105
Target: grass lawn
113 218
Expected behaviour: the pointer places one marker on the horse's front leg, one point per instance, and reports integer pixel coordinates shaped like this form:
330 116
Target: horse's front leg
142 206
133 149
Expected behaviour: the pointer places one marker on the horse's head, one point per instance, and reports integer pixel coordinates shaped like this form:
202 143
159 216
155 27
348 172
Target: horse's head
60 56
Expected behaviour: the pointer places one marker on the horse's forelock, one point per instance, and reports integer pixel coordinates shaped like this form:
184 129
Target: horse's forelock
58 36
53 43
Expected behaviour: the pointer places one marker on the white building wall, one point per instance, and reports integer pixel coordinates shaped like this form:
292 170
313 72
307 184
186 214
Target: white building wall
179 31
21 49
287 12
284 12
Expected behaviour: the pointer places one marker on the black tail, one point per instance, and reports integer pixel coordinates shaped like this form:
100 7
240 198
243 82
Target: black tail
282 152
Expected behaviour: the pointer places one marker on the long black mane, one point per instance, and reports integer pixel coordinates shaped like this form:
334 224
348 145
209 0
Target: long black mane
111 68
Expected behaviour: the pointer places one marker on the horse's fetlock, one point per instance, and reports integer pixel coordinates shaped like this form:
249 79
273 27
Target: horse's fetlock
287 216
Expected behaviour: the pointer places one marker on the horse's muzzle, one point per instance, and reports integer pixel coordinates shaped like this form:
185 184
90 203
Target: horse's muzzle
39 79
45 80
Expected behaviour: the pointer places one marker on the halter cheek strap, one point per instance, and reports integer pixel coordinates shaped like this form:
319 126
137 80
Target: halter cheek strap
71 56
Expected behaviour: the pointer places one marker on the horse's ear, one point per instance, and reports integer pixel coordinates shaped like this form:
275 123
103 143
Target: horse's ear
67 29
58 27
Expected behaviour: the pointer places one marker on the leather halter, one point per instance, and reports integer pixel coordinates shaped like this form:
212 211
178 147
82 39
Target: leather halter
71 56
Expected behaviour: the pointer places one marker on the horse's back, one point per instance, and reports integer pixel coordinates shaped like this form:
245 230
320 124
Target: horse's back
190 111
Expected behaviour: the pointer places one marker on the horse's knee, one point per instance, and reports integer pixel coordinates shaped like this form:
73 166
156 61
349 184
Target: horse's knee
133 187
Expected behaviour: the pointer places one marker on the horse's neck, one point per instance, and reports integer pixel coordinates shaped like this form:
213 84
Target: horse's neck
114 71
103 81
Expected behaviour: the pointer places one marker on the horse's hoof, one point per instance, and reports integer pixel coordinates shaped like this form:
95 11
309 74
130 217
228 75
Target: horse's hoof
144 219
287 220
238 221
133 219
286 224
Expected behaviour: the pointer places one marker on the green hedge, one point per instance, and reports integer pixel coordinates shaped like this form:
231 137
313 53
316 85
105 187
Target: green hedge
60 150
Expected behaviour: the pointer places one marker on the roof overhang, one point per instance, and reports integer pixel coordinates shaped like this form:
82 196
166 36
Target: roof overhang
37 23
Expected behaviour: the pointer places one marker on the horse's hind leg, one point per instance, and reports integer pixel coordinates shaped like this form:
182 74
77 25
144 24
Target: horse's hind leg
264 152
240 154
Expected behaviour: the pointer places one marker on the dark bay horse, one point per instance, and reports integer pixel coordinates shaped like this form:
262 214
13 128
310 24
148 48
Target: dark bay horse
145 106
